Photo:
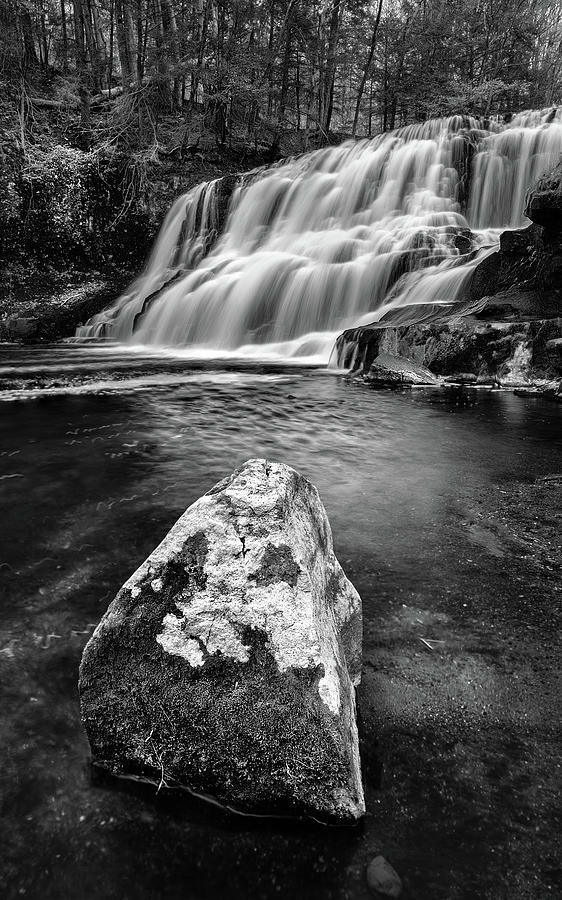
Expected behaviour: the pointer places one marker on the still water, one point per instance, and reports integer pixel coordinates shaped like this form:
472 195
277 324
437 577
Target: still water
100 451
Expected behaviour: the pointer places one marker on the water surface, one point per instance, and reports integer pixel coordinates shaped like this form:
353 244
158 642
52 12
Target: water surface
102 449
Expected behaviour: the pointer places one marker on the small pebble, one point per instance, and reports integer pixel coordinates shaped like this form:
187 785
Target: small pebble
382 879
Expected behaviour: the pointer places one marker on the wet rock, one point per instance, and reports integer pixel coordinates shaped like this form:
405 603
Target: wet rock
481 351
487 277
518 304
463 241
227 663
551 390
520 282
544 202
521 240
462 378
487 381
390 371
382 879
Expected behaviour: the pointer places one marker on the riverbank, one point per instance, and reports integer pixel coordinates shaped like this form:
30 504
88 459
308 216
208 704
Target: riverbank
48 306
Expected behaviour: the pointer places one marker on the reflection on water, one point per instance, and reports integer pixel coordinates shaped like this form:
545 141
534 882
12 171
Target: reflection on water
90 482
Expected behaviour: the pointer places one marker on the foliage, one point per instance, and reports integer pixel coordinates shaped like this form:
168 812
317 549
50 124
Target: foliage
97 96
55 183
256 70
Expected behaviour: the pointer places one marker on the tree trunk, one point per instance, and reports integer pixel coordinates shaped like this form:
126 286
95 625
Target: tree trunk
367 69
163 75
385 83
99 40
64 37
327 85
109 74
170 33
29 52
92 46
201 24
270 63
43 45
285 76
82 68
142 36
298 92
123 46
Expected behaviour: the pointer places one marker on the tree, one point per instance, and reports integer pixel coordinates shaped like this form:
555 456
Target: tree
274 71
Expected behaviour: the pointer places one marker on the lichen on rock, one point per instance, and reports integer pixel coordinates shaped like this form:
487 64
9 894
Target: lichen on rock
227 662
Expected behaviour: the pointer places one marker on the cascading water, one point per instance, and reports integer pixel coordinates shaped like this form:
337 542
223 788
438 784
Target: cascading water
334 239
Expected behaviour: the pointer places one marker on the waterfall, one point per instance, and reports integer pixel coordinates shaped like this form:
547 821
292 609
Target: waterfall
333 239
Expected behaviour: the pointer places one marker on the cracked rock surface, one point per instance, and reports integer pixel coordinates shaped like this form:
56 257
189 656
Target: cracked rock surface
227 663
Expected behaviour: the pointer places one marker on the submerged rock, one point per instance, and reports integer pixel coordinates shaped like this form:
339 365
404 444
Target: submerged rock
227 662
383 879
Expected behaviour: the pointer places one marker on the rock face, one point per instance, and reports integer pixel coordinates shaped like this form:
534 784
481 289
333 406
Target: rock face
525 275
508 324
227 662
544 203
508 330
510 353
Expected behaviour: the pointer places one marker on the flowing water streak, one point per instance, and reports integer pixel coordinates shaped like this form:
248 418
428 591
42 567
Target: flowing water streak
335 238
183 239
507 164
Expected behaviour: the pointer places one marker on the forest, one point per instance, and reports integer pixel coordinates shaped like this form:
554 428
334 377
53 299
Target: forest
103 103
260 71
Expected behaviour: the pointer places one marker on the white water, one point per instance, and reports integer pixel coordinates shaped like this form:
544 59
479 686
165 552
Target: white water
333 239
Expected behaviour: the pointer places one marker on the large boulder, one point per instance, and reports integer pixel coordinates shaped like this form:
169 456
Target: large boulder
227 663
509 352
544 201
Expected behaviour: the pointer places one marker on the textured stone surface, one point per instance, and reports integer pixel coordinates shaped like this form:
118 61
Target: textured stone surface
510 352
227 662
390 370
544 203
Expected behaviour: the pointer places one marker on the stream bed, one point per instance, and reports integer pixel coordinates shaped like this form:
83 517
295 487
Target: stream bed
445 509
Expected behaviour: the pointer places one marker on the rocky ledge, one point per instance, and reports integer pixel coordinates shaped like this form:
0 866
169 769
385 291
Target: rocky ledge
523 356
506 333
227 663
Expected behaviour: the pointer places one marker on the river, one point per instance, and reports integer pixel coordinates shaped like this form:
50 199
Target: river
427 491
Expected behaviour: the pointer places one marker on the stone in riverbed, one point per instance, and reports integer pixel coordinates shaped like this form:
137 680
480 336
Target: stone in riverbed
461 378
383 879
388 370
227 663
488 350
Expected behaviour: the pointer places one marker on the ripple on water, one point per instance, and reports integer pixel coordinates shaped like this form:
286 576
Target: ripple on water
92 481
